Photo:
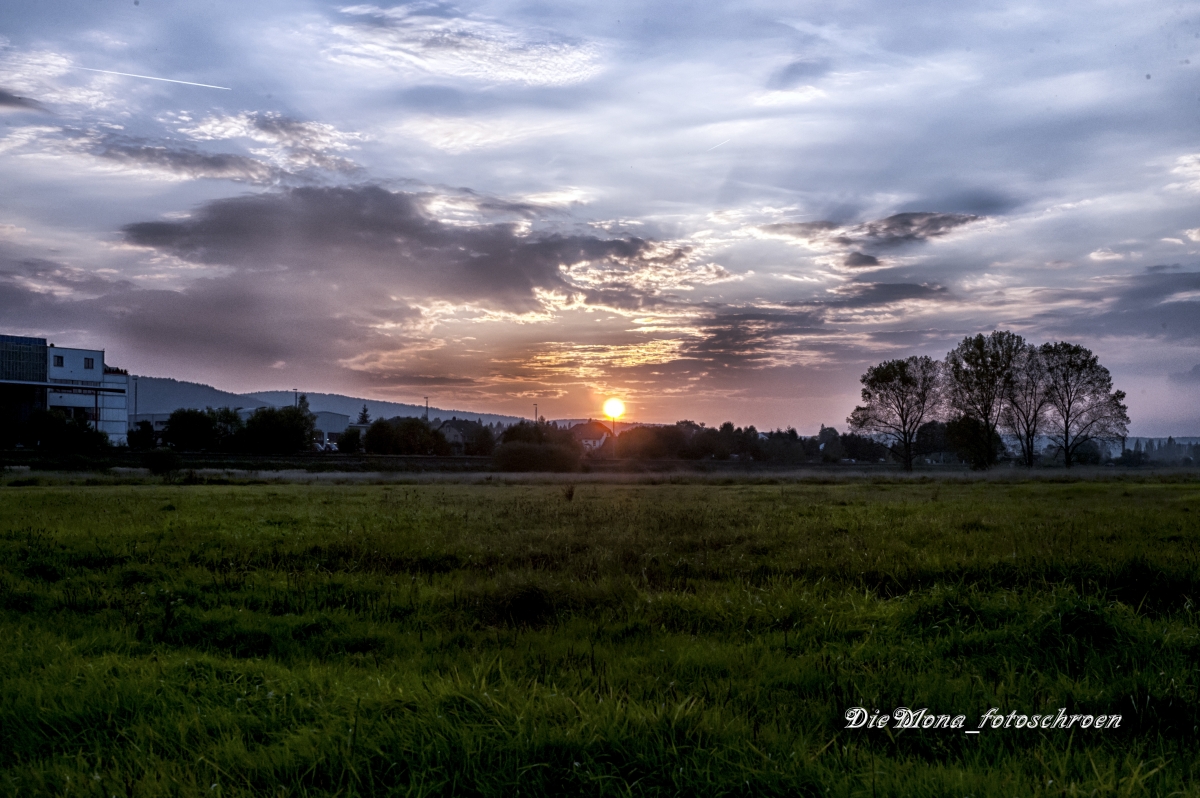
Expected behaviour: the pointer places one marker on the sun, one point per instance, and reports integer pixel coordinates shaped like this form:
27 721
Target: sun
614 408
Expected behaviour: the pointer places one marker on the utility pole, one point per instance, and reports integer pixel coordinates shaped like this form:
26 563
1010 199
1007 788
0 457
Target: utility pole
427 408
295 397
535 415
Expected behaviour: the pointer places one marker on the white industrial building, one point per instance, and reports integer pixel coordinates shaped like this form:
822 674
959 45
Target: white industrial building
35 375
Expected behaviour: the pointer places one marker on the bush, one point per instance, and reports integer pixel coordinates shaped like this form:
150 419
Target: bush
162 462
968 439
521 456
142 436
410 436
350 442
189 430
51 431
278 430
651 443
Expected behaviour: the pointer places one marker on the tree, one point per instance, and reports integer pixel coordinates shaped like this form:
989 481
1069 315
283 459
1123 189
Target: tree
931 438
142 436
350 441
898 396
189 430
651 443
1083 405
279 430
364 416
1025 405
52 431
979 373
480 441
967 437
830 444
410 436
228 428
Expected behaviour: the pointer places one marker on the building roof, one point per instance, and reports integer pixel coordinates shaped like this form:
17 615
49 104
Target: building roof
591 431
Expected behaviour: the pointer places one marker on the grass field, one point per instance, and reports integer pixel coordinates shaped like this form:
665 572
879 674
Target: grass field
636 639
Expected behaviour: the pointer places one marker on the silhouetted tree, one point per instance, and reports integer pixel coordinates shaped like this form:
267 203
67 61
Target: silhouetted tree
1026 402
830 444
142 436
407 436
1084 407
979 376
190 430
862 449
931 438
228 428
898 397
480 441
350 441
278 430
530 446
364 416
651 443
52 431
968 438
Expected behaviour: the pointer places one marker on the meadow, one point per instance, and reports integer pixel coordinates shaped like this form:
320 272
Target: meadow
597 638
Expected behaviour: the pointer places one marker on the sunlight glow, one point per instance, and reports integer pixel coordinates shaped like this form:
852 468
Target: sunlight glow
614 408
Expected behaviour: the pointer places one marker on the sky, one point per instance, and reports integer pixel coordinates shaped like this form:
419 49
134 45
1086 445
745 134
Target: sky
713 211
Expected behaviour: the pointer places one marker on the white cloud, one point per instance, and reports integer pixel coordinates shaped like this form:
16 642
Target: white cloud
405 39
457 135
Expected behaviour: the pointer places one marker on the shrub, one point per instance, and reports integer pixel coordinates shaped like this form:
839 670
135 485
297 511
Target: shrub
162 462
521 456
350 442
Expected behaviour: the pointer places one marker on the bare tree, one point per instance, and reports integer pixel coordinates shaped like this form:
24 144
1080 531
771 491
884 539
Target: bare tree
898 396
1084 407
1026 403
979 372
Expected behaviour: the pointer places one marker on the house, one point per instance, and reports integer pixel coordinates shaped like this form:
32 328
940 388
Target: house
459 432
591 435
35 375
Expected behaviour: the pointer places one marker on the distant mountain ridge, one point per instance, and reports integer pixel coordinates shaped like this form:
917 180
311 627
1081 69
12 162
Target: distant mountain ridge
165 395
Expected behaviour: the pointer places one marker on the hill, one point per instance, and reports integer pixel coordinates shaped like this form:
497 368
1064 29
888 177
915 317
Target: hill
164 395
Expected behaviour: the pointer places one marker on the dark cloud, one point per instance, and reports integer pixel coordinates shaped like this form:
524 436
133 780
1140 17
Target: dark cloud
302 145
389 240
1187 377
857 260
983 202
50 278
10 100
1154 304
871 294
895 230
189 163
759 337
409 379
235 322
797 73
753 338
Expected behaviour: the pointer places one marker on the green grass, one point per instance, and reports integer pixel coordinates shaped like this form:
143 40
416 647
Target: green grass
636 639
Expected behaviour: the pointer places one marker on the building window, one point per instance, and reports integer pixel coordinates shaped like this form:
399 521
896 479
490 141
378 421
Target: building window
89 363
58 361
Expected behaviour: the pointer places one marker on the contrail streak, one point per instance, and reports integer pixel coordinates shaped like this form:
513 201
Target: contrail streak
713 147
164 80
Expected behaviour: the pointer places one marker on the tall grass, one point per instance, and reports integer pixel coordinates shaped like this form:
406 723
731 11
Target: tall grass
605 639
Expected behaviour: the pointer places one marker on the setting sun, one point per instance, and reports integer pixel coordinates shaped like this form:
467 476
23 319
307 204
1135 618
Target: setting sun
614 408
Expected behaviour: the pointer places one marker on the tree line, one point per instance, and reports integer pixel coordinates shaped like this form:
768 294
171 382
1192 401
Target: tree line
268 430
991 386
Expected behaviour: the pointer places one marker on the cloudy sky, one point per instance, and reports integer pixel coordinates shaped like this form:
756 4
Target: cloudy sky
715 211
